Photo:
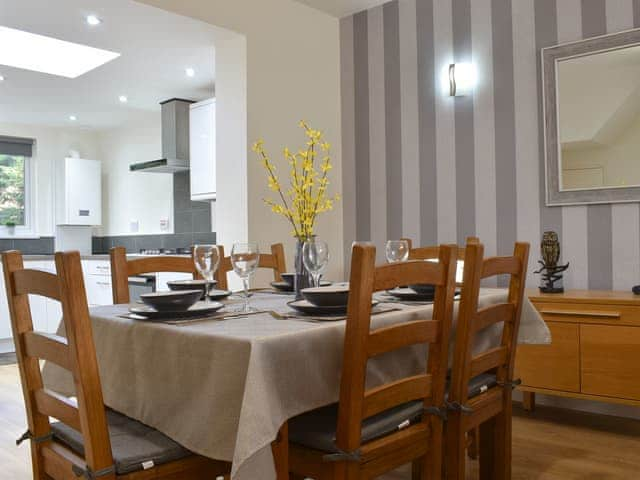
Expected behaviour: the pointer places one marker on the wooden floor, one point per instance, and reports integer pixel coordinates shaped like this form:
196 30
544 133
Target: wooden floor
551 444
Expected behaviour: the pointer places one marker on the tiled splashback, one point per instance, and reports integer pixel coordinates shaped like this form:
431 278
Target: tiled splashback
134 243
28 246
192 225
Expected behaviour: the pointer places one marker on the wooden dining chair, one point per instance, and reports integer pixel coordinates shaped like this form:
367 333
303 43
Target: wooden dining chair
122 269
481 383
374 430
274 261
88 441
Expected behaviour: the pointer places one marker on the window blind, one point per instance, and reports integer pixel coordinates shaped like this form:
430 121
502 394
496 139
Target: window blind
16 146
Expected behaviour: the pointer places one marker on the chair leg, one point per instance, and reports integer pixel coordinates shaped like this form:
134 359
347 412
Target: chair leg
416 470
486 449
456 445
280 451
472 442
37 463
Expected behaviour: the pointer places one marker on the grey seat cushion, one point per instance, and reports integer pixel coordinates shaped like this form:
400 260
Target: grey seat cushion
132 443
481 384
317 429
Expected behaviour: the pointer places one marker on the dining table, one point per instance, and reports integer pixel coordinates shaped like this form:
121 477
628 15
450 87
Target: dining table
223 385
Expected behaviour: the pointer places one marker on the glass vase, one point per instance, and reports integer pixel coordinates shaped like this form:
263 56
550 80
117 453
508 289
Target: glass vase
303 277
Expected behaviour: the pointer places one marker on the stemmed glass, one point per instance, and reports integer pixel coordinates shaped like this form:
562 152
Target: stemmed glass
245 258
315 255
397 251
206 259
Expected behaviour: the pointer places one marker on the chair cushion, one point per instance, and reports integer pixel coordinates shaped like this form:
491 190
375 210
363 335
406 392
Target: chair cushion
477 385
317 429
132 443
481 384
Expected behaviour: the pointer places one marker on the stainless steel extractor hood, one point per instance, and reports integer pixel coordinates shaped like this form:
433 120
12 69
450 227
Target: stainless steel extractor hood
175 140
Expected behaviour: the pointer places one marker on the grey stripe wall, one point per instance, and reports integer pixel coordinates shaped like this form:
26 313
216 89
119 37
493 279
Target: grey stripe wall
418 163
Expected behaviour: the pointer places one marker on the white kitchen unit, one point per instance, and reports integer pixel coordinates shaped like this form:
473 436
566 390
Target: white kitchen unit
45 313
202 149
78 192
97 282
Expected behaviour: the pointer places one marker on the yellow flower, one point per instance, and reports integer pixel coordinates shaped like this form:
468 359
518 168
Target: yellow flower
305 197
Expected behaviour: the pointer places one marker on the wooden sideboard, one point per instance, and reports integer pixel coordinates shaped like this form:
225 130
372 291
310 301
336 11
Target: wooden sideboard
595 349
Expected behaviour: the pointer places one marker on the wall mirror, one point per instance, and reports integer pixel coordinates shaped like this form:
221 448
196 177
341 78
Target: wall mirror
592 120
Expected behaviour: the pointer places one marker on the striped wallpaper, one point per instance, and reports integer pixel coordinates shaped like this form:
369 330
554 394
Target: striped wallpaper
437 169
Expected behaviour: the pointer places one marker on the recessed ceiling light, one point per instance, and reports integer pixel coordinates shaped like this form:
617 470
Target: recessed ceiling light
1 78
73 118
123 98
93 20
190 72
49 55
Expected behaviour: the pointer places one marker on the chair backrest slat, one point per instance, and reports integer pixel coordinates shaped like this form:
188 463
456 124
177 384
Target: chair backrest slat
274 261
76 354
391 395
57 406
487 316
500 266
432 251
488 360
391 275
391 338
36 282
122 269
499 359
361 343
45 346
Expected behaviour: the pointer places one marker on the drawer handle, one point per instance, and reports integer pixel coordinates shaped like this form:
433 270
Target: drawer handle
576 313
105 284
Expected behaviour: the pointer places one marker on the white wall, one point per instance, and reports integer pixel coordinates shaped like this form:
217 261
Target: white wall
51 144
145 197
619 160
292 73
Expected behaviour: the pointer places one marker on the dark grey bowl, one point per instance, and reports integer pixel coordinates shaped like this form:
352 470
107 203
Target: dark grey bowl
289 278
179 285
423 288
327 296
174 301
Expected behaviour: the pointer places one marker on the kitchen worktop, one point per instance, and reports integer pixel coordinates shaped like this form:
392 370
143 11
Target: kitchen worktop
51 256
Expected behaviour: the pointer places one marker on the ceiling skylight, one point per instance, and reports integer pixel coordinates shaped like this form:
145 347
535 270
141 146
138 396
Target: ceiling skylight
49 55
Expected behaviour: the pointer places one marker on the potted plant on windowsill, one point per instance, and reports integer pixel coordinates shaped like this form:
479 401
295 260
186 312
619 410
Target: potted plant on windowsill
11 227
307 195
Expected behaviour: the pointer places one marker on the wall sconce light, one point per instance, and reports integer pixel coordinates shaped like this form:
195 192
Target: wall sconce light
461 79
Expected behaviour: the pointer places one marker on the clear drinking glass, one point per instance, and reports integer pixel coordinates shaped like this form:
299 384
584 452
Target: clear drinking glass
245 258
397 251
206 259
315 255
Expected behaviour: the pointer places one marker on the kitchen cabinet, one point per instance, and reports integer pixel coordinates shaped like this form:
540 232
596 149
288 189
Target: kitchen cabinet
97 282
78 192
45 313
202 148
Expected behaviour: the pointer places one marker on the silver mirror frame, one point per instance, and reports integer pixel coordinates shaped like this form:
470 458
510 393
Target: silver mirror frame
550 57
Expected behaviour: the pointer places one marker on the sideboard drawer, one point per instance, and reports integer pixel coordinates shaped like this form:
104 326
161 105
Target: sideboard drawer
590 313
610 361
555 366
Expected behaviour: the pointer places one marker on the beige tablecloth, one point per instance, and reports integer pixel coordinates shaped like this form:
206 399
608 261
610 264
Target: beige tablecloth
223 388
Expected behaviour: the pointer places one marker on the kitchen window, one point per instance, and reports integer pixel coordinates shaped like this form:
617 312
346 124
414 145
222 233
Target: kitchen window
16 219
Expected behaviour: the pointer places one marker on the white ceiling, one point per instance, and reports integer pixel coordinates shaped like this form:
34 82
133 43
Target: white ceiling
342 8
156 47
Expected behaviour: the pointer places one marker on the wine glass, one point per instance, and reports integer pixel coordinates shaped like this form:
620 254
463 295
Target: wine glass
315 255
397 251
206 259
245 258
